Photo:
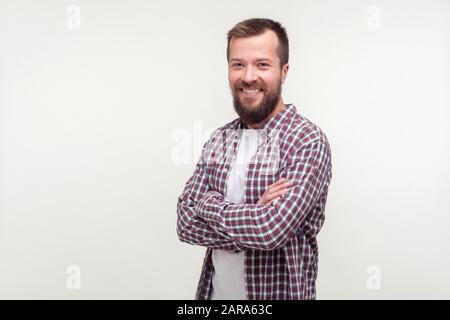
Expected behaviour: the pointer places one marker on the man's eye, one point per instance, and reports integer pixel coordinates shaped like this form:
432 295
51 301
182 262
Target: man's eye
264 65
236 64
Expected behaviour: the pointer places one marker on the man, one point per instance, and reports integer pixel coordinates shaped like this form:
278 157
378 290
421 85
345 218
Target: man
258 218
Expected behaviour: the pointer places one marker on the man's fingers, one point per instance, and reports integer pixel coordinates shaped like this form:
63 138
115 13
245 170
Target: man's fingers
273 200
270 197
277 183
274 191
279 187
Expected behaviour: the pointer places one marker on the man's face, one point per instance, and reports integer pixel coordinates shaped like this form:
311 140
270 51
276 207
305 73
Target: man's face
255 76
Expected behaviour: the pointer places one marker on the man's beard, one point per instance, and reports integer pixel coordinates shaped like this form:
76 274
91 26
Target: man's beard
257 113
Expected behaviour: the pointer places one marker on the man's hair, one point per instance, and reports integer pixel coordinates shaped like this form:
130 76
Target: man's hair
257 26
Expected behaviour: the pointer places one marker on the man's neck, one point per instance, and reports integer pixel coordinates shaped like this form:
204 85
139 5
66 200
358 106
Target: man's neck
280 107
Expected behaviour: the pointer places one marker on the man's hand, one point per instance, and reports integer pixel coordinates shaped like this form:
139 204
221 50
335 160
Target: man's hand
275 191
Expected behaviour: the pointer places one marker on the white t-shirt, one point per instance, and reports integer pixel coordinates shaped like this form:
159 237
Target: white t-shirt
229 270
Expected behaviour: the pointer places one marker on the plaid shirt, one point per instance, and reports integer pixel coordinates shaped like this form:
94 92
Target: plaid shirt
279 240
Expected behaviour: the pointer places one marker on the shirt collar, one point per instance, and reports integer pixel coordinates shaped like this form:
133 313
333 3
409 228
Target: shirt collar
275 121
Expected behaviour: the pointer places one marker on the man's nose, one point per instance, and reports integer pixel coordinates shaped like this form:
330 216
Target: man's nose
249 75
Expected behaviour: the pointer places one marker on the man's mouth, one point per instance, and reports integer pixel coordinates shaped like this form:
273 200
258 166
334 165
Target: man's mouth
250 92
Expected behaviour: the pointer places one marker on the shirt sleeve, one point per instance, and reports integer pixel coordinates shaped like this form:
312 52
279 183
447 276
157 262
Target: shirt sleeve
191 228
267 227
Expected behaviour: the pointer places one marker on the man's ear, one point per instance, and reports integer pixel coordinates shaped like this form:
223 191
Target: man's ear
284 72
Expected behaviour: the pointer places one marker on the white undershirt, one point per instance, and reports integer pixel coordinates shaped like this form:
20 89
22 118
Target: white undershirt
229 269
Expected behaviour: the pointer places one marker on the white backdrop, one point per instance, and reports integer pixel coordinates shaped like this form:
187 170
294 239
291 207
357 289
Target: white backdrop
98 99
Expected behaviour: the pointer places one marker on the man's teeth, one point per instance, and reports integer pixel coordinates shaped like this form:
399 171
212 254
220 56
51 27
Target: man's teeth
251 91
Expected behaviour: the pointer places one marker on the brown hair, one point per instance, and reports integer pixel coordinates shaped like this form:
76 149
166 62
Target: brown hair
257 26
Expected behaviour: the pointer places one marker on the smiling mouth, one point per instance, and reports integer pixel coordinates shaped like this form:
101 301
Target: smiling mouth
250 92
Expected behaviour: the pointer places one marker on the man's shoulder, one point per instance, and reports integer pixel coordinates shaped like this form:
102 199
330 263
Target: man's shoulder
299 131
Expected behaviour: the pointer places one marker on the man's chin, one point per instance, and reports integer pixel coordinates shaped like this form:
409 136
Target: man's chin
251 108
250 102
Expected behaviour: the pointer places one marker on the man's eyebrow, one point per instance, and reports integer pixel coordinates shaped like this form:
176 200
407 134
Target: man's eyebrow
264 59
257 60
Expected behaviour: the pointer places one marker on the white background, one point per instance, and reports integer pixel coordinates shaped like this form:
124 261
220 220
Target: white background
90 119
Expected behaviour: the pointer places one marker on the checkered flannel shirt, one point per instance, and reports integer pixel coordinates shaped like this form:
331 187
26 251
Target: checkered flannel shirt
279 240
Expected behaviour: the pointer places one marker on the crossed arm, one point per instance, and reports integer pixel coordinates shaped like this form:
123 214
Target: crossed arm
207 219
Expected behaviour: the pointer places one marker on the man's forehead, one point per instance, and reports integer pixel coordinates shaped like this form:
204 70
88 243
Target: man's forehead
263 46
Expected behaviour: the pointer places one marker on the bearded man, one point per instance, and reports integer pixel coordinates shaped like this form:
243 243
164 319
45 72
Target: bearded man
258 215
